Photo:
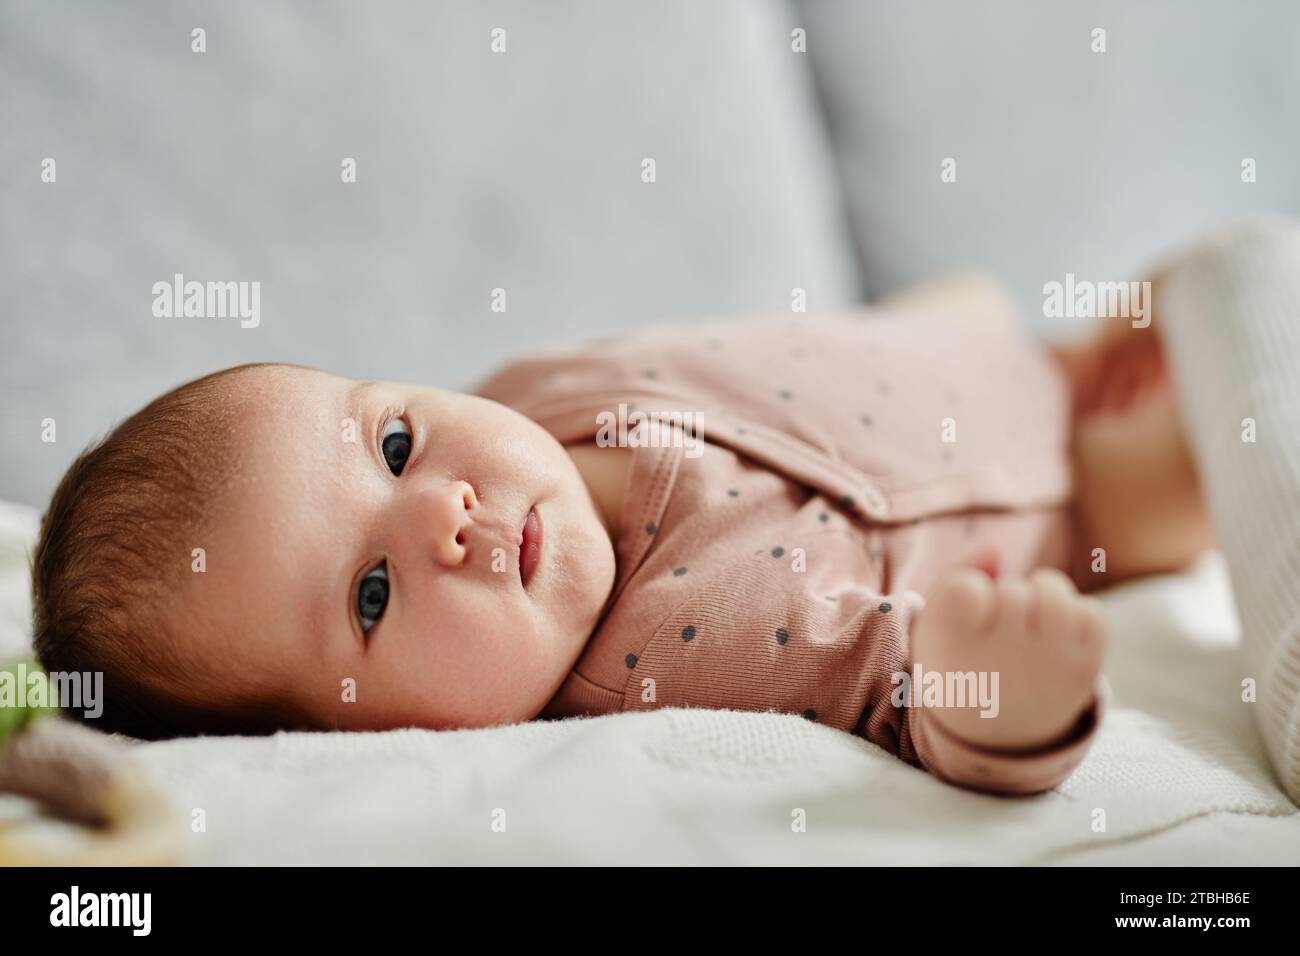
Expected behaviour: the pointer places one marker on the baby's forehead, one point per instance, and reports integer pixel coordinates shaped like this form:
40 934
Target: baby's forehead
284 393
273 377
279 426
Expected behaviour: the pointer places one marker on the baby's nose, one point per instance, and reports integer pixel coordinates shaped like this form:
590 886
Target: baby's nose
451 507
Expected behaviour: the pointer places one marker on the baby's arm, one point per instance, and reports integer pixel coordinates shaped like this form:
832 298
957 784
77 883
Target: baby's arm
1045 642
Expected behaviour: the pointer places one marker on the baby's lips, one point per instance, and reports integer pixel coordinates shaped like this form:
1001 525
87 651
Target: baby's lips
530 548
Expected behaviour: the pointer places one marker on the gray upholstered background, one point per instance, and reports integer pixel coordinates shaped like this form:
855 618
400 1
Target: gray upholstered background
521 170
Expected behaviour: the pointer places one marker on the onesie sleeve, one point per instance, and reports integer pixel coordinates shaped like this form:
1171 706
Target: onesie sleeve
913 735
1001 771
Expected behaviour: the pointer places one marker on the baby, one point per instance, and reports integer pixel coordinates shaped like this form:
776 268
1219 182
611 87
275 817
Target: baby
879 520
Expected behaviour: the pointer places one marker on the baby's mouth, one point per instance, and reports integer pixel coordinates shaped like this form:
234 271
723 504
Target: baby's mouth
530 546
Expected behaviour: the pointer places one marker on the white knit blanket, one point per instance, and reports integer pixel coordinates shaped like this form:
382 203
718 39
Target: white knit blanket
1178 775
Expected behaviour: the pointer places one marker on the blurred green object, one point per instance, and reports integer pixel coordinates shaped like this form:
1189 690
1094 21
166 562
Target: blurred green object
15 713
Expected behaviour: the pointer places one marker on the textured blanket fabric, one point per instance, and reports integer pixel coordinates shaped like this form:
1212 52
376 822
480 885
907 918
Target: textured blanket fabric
1230 314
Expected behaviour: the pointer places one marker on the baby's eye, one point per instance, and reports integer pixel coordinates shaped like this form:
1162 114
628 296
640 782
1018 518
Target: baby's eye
396 445
372 597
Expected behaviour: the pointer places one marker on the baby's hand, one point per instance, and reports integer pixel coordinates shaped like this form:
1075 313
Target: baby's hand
1043 639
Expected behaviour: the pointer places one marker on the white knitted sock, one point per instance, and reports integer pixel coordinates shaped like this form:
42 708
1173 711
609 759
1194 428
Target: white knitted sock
1229 312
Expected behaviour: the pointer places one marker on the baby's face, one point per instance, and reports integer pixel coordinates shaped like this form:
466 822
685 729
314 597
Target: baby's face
372 539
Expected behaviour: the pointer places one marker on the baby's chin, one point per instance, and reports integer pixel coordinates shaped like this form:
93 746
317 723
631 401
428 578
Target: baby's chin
576 570
582 566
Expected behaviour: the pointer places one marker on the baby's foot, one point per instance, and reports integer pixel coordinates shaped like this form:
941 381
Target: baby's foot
1043 638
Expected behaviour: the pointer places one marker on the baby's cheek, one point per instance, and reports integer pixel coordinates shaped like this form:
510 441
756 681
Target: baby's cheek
490 662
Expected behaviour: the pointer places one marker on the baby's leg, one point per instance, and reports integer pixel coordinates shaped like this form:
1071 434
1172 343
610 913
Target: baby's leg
1042 638
1229 314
